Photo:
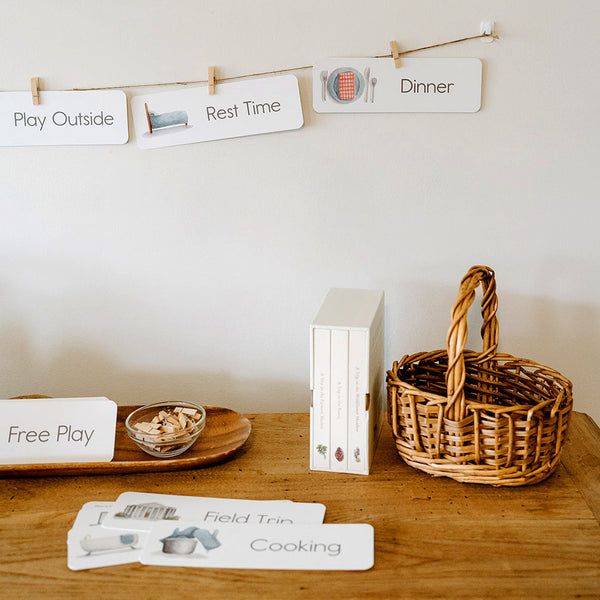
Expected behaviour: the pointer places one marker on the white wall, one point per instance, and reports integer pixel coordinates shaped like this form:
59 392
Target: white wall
193 272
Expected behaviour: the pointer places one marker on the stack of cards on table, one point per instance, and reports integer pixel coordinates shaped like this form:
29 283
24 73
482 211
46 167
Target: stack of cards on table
192 531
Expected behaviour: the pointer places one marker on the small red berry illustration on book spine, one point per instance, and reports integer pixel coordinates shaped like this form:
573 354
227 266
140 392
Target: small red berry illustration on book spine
339 455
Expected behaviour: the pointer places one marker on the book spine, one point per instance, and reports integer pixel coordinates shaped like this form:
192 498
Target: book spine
376 382
321 401
358 422
339 400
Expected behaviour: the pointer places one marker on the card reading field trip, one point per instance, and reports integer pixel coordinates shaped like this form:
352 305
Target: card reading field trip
139 511
350 85
236 109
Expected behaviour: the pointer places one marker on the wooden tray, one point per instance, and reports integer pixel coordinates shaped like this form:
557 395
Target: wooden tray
224 434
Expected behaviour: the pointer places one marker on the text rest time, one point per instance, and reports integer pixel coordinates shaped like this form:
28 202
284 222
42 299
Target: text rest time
250 109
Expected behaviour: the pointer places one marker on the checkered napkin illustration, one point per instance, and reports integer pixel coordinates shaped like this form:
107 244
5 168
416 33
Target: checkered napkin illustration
346 85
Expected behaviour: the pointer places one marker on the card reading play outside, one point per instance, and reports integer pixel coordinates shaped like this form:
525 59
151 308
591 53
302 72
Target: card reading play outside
139 511
237 109
301 546
351 85
63 118
57 430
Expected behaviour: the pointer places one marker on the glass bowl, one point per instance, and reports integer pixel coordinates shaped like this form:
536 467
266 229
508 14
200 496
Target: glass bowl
164 444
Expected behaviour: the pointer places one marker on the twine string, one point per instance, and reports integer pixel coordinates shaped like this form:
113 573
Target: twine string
276 71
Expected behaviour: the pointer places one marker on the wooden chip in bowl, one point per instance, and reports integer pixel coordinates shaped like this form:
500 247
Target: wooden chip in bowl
169 425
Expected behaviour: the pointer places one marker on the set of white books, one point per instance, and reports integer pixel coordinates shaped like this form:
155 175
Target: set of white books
346 380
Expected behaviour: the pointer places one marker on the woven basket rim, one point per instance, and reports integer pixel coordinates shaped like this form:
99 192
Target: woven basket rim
472 356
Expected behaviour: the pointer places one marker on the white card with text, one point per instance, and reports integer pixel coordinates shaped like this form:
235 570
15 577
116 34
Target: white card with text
63 118
89 545
307 547
57 430
237 109
92 514
351 85
139 511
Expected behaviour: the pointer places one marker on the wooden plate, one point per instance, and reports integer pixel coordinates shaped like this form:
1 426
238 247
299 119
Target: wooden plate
224 434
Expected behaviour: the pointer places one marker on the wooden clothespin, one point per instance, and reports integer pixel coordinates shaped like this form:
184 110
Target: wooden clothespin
35 90
395 53
212 80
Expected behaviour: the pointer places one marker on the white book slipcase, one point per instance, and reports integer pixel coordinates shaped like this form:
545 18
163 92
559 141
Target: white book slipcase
346 380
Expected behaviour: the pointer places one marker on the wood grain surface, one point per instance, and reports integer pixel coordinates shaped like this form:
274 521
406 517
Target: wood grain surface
224 434
434 538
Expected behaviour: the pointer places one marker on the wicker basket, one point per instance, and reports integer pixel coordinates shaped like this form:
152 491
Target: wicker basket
478 417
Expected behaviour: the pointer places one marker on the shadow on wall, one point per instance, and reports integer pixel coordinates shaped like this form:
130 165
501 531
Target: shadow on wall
565 336
562 335
559 334
83 371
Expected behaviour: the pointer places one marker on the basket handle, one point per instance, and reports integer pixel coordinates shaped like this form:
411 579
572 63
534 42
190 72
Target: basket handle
457 334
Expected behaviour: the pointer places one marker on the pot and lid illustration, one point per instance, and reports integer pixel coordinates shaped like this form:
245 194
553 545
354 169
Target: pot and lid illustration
179 545
184 541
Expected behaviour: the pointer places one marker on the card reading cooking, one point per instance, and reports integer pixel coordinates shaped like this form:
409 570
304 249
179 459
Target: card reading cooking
57 430
89 545
235 110
302 546
139 511
350 85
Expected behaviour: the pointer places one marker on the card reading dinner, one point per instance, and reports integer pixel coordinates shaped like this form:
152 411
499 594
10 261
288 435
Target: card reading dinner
237 109
351 85
57 430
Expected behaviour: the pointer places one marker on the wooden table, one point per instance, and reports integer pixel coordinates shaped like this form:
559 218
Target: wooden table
433 537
